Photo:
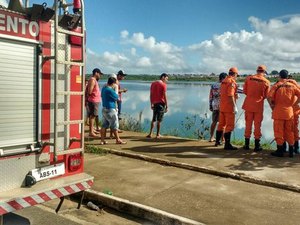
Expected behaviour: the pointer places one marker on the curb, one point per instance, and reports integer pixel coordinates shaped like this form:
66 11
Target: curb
206 170
146 212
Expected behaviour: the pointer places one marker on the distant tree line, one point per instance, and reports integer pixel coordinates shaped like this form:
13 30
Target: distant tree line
194 77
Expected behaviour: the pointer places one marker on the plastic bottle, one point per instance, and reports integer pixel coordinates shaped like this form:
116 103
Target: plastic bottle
108 192
92 206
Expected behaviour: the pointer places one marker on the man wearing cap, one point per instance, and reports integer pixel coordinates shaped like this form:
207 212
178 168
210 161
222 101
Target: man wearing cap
159 103
256 89
93 99
120 76
281 99
296 111
228 109
214 104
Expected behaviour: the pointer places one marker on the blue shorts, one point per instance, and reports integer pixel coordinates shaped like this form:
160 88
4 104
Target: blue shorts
110 119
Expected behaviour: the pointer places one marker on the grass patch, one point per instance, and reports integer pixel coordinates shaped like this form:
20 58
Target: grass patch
131 124
95 150
241 142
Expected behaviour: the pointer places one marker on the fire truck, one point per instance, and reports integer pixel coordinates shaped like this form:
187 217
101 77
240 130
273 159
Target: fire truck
42 73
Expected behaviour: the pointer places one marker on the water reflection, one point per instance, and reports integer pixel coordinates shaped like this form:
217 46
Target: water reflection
188 114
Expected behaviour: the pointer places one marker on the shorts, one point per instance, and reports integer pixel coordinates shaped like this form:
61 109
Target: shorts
215 116
110 119
158 112
93 108
76 10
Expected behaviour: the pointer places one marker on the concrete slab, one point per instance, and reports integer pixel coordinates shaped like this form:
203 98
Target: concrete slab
201 197
202 153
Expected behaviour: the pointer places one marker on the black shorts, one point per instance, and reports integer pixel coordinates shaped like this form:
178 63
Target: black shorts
158 112
215 116
93 108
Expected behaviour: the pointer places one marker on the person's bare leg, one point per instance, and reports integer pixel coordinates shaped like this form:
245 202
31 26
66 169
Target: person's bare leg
97 123
151 129
118 139
111 133
212 131
103 132
92 133
158 129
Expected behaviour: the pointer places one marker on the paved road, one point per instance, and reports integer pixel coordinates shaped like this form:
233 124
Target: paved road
68 215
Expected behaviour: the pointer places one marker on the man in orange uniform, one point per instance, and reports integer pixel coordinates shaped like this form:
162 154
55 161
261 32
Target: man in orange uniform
296 111
256 89
281 99
228 109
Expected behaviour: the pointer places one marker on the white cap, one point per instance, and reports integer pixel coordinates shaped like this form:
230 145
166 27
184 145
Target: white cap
113 75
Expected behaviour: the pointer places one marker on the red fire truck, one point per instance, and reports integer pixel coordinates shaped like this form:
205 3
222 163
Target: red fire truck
42 71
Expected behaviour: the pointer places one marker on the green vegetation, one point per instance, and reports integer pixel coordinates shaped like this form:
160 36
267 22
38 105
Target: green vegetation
131 124
195 78
95 150
265 145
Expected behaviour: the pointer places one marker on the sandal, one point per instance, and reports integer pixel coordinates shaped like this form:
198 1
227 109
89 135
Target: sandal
103 142
93 136
120 142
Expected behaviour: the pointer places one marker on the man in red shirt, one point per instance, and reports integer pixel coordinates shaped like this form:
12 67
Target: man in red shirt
159 103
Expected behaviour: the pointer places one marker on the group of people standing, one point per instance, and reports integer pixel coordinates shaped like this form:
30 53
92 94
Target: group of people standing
283 98
111 98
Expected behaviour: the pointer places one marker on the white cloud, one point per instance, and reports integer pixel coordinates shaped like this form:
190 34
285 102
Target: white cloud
144 62
274 43
124 34
133 51
114 58
163 56
108 62
3 3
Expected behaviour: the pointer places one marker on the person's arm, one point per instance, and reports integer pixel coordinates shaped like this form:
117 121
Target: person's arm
267 90
123 90
166 101
151 97
210 99
113 95
232 100
245 87
270 97
91 86
231 91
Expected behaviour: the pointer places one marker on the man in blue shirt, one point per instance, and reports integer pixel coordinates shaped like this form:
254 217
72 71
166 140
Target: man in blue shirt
109 111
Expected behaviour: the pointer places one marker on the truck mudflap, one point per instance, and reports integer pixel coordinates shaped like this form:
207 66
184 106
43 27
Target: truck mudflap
43 191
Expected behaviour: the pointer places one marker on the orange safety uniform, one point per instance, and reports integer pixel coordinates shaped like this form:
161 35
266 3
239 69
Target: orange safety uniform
226 118
282 96
256 89
296 111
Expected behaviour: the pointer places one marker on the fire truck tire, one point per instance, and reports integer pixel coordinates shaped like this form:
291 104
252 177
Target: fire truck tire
29 180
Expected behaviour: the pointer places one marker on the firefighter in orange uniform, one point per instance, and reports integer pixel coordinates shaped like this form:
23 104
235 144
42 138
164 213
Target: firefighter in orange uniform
228 109
256 89
281 99
296 111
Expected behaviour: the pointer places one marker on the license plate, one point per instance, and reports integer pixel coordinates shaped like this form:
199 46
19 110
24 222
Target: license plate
48 171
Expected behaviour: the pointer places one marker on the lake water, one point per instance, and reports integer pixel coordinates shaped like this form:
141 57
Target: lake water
188 114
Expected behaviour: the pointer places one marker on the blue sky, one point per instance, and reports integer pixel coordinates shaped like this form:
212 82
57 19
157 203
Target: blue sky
181 22
192 36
